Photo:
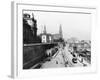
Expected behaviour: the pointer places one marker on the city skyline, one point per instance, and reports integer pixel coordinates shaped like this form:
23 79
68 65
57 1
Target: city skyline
71 27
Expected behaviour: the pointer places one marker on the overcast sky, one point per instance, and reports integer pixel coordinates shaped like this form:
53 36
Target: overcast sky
73 25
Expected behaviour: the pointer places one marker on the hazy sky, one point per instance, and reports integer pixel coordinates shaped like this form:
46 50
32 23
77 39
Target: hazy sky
73 25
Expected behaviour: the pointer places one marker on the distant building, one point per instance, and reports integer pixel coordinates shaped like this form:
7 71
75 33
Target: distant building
58 37
86 44
46 37
30 32
60 31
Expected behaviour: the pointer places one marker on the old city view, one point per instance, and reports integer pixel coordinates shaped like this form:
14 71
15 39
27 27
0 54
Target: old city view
57 46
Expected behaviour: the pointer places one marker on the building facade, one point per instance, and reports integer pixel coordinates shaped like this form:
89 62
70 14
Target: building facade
46 37
49 38
30 29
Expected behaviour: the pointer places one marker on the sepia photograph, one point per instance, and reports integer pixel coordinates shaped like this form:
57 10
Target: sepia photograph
56 39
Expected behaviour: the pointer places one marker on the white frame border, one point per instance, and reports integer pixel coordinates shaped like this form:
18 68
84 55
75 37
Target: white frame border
17 70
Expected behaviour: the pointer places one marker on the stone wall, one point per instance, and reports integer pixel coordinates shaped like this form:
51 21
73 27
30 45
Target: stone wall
34 54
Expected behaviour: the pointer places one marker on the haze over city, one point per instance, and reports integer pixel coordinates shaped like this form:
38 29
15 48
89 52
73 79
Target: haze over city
73 25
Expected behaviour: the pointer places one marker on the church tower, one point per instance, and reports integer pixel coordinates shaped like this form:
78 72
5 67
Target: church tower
60 31
44 30
44 36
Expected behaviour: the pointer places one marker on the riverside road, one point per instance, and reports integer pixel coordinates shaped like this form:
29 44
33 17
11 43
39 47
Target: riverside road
62 58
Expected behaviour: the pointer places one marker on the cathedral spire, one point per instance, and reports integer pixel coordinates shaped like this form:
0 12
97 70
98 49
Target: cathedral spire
44 31
60 31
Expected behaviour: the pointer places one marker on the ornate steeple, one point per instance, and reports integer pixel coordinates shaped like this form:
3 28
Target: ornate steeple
44 30
60 31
